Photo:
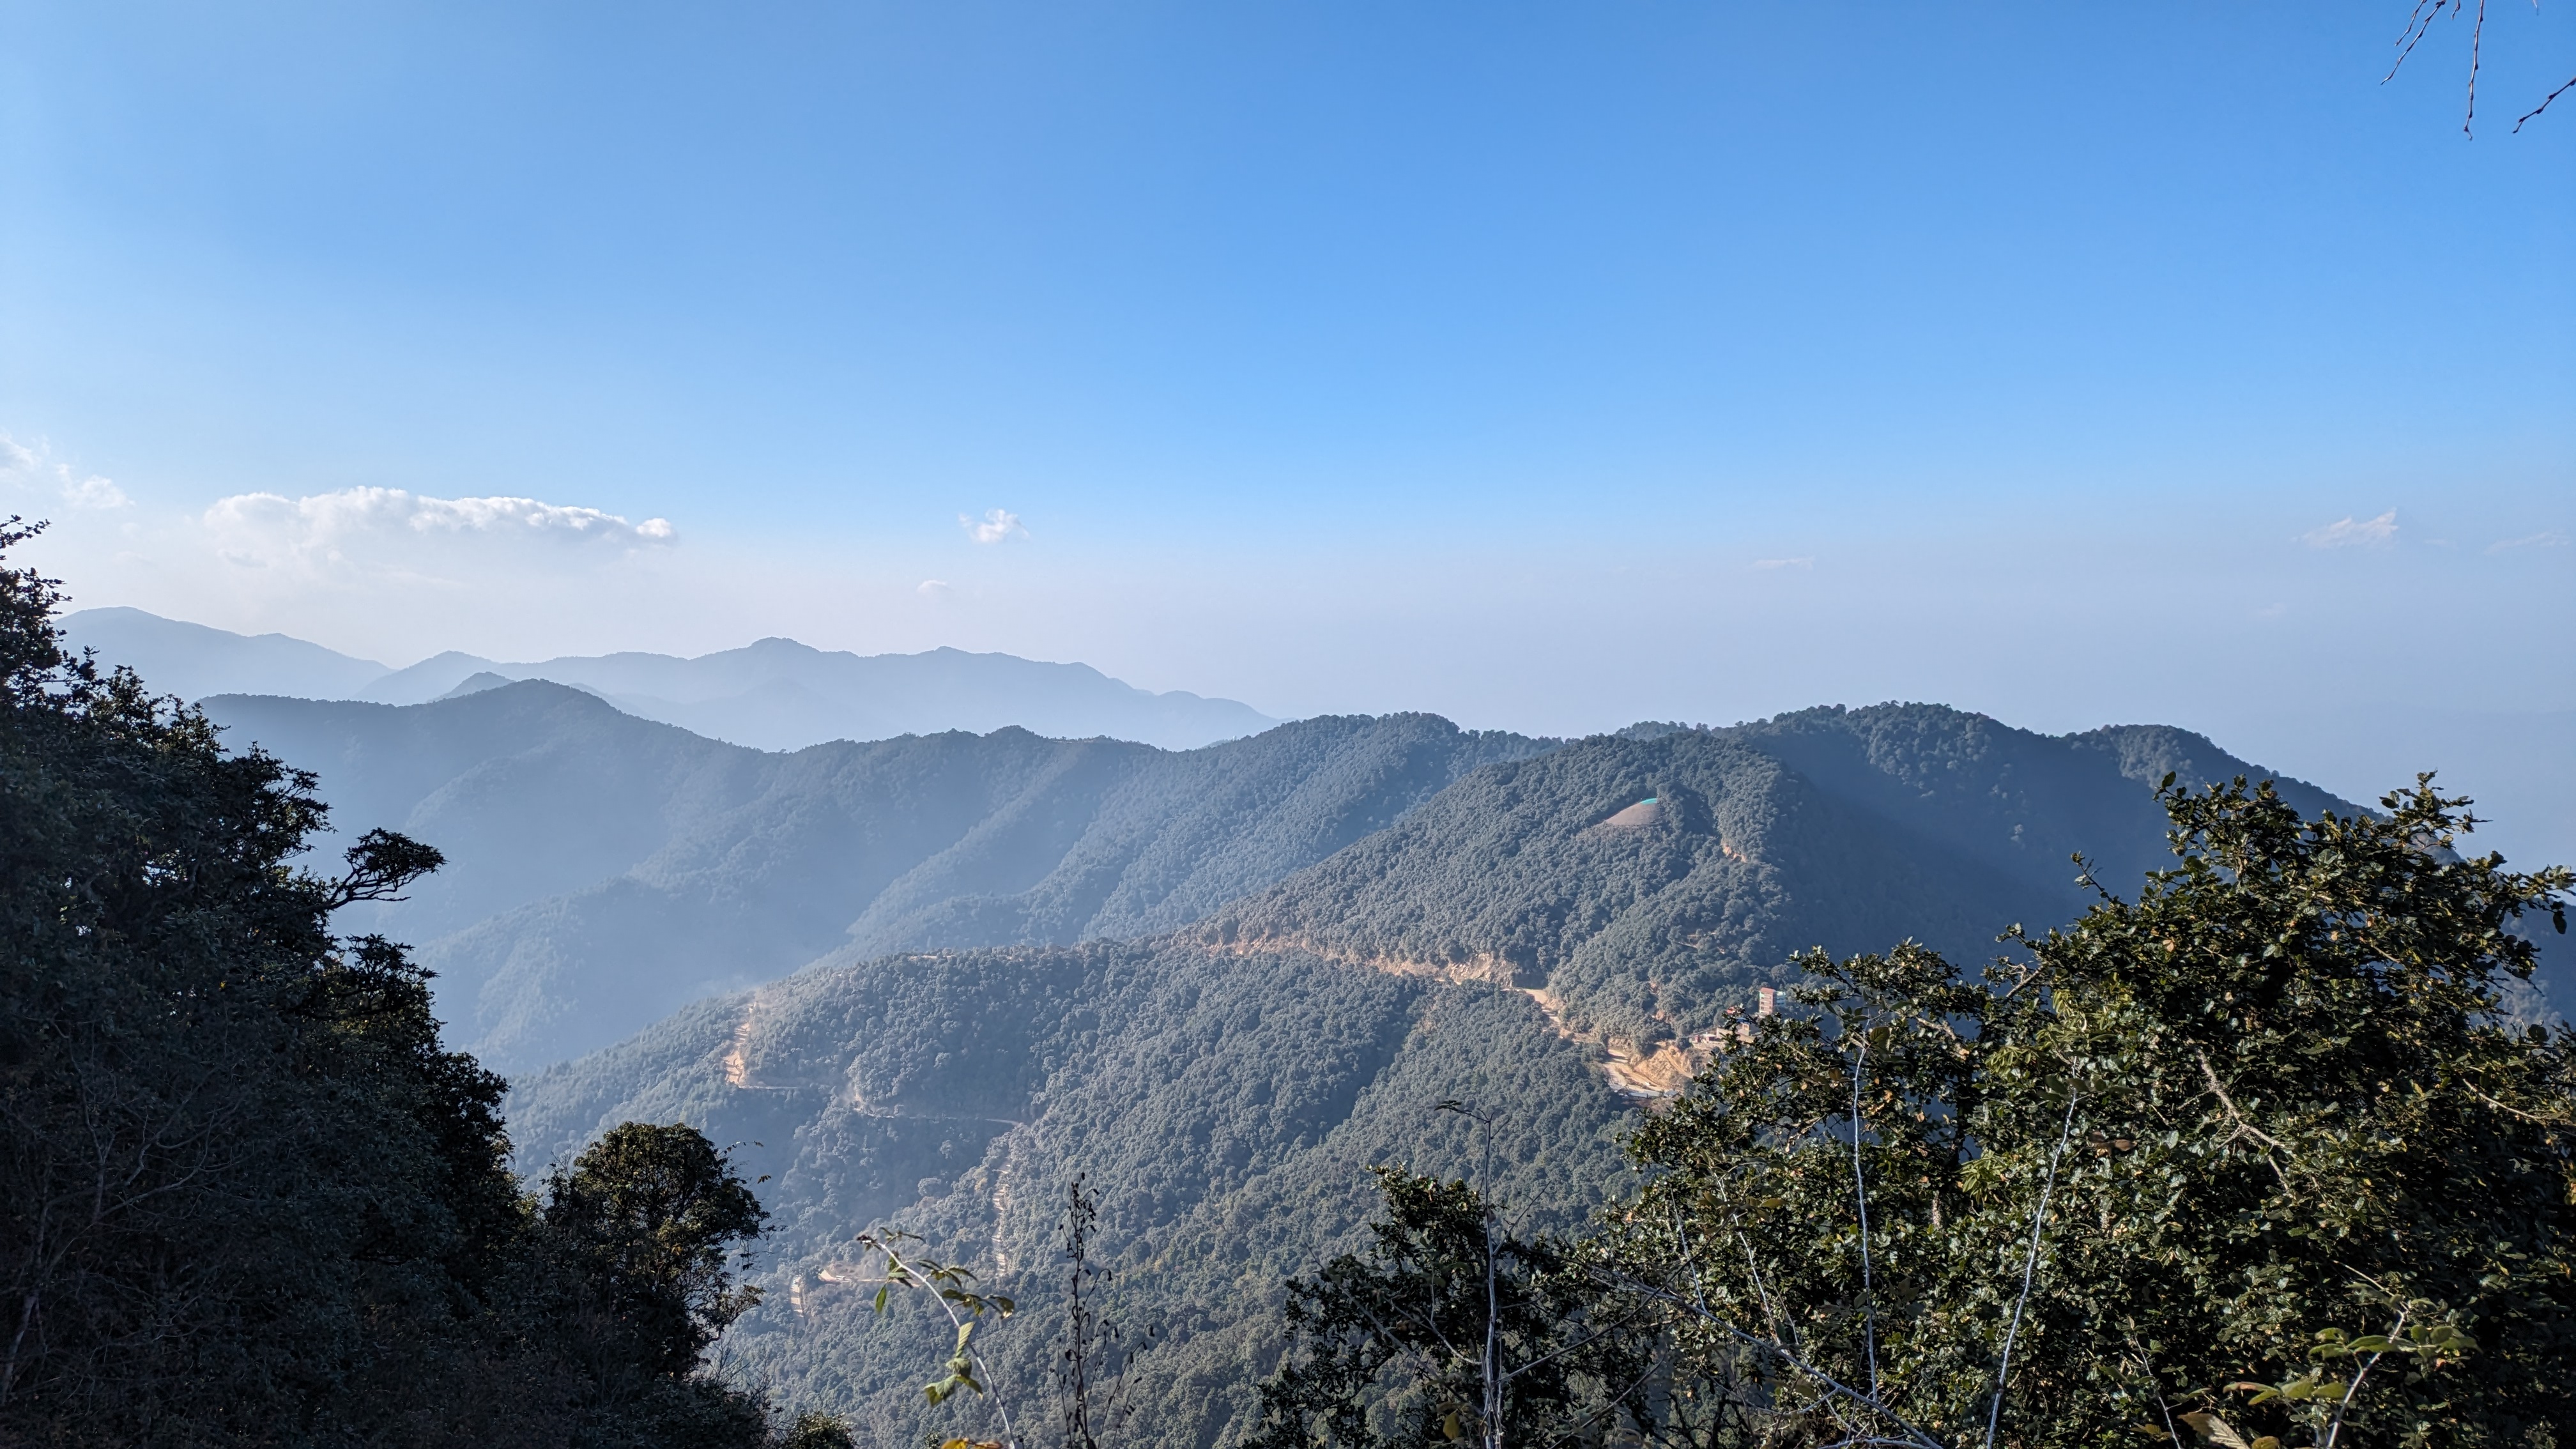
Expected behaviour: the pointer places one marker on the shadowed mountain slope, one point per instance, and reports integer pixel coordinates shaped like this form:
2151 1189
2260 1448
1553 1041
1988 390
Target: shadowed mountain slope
531 790
606 870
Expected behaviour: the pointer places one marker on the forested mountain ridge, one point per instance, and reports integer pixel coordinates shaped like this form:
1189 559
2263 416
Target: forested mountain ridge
611 869
1225 1085
1651 880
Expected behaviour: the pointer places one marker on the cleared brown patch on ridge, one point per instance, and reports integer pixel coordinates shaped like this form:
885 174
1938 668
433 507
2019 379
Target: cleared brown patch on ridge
1552 1006
741 1071
1660 1071
1639 816
1654 1076
826 1285
737 1068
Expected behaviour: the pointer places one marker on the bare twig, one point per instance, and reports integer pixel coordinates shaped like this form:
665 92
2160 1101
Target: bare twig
2559 1121
1835 1387
2243 1128
2354 1387
2029 1268
2544 103
1860 1193
2419 23
2477 48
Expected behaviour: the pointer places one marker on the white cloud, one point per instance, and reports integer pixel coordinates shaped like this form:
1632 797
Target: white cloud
93 492
996 524
2549 539
1806 562
2352 532
935 588
268 529
37 465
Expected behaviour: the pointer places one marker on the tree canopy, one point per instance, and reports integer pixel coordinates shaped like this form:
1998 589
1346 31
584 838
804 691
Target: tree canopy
2252 1156
246 1195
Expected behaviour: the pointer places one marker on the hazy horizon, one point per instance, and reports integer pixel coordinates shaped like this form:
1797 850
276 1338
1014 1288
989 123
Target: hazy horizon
1544 370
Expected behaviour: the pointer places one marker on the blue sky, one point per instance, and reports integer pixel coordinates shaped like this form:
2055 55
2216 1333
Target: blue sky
1546 365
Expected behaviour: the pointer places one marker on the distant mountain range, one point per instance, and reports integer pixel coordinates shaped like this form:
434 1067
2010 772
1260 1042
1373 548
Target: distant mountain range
775 694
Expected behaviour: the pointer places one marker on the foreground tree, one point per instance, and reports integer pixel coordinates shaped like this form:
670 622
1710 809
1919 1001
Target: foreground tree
651 1214
632 1271
2255 1154
239 1172
2254 1159
1448 1328
246 1196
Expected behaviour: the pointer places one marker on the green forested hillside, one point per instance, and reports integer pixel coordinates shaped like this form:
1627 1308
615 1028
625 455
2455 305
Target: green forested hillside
1219 985
1225 1086
608 870
1849 829
1224 1107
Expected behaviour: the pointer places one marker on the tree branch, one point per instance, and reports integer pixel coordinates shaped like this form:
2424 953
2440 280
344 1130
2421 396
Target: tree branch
2029 1268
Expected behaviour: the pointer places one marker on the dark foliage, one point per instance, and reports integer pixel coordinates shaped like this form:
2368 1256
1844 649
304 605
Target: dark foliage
648 1213
246 1196
2262 1125
242 1179
1448 1327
